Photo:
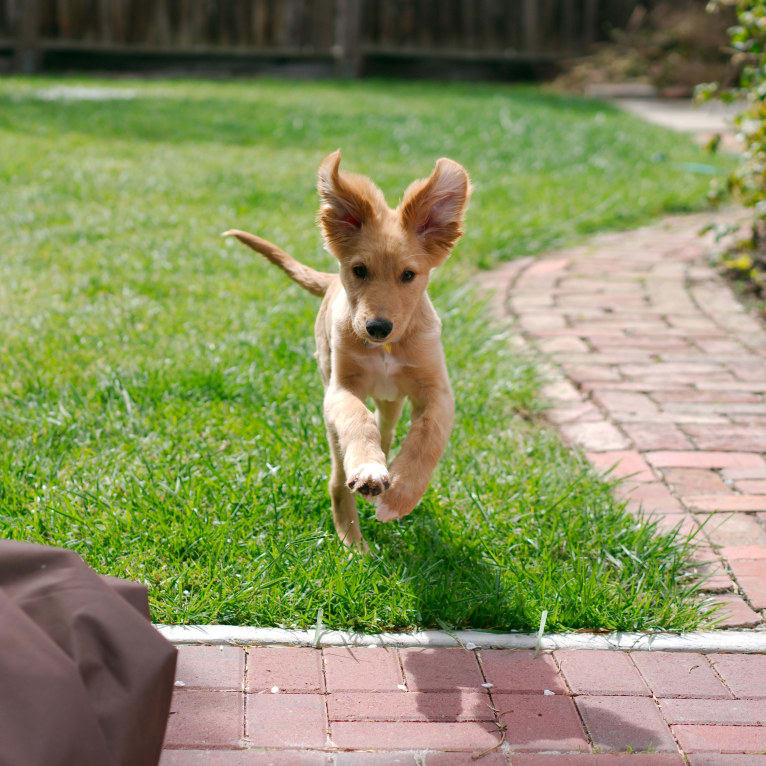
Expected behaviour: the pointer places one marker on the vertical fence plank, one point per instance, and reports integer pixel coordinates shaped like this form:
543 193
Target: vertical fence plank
531 26
568 32
590 22
27 44
348 30
162 29
105 21
322 25
468 39
389 29
260 22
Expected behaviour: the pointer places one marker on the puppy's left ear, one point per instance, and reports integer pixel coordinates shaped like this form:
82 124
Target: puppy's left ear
433 207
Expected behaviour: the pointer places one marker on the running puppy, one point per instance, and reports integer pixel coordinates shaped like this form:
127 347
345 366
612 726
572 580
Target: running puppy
378 335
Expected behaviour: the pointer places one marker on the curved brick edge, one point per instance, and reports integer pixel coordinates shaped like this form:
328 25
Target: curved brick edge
743 641
658 373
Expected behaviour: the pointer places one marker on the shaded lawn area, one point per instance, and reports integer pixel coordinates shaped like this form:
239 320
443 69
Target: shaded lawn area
160 406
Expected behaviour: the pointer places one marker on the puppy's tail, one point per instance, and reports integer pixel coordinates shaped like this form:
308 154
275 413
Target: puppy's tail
316 282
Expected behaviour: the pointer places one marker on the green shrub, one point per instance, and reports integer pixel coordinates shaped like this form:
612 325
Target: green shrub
747 181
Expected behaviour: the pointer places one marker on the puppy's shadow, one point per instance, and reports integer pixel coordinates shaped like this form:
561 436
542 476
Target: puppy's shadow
448 683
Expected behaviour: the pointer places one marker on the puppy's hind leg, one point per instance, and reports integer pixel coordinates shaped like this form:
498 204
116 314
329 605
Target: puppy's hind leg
345 515
387 415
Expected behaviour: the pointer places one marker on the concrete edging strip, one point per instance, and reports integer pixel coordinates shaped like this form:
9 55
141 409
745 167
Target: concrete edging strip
750 641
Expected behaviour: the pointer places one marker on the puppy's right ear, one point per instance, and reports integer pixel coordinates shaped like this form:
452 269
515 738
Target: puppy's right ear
343 211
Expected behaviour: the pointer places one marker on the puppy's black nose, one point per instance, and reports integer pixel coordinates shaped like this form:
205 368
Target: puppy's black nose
379 328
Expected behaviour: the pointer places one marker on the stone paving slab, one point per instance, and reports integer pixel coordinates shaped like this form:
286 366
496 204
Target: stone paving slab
553 708
658 373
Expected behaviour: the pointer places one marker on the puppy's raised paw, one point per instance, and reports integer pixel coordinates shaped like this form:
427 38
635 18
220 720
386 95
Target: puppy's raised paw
369 479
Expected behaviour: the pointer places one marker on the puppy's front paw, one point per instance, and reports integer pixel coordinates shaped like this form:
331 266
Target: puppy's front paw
369 479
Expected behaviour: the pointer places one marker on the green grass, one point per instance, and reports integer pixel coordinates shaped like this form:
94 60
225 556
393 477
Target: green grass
159 404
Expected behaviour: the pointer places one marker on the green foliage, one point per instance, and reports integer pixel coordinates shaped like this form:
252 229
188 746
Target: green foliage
160 409
747 181
748 41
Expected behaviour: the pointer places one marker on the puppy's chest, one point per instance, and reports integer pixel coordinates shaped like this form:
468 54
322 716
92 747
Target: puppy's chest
385 376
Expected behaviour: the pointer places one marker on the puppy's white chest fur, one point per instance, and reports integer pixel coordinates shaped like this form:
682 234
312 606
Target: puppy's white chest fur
384 368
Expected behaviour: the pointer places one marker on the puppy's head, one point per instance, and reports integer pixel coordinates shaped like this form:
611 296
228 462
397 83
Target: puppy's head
386 255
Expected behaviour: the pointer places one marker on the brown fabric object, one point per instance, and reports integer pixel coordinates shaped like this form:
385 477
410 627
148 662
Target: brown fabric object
134 593
85 679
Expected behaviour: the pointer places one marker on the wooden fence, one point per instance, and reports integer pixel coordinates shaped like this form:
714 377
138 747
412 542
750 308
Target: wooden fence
346 32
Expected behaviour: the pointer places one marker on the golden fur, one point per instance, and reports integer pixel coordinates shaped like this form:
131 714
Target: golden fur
378 335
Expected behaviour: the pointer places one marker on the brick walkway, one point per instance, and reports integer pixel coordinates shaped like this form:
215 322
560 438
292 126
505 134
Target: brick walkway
411 706
659 371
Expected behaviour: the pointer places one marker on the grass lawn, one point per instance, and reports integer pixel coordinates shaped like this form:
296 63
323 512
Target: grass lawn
160 410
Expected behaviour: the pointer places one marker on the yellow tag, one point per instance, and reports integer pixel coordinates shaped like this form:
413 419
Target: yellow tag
387 346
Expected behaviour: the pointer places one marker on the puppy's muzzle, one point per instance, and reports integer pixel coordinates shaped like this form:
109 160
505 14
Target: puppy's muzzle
378 329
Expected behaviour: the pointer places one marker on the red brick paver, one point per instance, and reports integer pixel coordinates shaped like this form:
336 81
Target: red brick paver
717 759
440 669
457 705
601 672
364 669
522 672
541 722
744 674
620 723
373 735
286 720
721 739
288 668
211 667
206 719
701 711
677 674
659 375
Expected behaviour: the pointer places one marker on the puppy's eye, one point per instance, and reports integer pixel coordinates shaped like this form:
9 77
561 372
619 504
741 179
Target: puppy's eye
360 272
408 276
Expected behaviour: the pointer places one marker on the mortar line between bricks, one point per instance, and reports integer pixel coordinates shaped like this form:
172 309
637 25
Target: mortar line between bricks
719 677
572 696
244 693
656 701
324 691
402 674
493 707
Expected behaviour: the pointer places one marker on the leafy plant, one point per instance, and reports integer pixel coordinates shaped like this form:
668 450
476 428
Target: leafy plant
747 181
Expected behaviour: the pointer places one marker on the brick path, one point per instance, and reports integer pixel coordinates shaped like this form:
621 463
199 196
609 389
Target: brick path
280 705
659 371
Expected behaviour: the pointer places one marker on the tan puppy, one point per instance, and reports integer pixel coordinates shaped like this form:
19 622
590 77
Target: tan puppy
378 334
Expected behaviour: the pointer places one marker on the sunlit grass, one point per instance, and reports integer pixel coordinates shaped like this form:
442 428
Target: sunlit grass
161 410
